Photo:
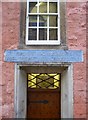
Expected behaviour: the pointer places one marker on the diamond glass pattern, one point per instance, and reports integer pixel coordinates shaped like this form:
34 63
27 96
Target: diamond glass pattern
44 80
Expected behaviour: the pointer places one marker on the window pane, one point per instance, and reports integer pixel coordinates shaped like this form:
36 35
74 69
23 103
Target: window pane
42 34
32 7
53 7
32 34
42 20
53 21
33 20
53 34
43 7
44 81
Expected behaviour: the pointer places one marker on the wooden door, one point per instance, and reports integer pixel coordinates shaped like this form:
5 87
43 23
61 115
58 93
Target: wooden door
43 103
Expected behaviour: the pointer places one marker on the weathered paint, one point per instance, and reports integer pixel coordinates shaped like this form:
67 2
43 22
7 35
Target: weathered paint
43 56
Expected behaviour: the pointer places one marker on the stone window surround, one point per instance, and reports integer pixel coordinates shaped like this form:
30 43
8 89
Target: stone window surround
22 39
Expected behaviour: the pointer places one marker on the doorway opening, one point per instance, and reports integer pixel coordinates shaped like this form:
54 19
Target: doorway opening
43 85
43 95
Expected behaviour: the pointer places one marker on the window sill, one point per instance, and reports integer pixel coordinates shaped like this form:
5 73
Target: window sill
42 42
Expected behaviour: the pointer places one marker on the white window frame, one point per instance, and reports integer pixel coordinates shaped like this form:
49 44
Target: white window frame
43 42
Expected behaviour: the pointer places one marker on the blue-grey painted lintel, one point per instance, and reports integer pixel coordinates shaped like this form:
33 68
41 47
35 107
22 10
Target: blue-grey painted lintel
43 56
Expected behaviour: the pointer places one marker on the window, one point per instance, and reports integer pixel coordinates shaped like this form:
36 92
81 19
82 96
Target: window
43 22
44 80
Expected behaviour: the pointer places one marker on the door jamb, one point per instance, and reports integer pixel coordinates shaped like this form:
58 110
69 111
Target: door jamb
20 92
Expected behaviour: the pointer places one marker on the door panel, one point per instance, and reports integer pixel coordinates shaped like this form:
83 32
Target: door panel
43 103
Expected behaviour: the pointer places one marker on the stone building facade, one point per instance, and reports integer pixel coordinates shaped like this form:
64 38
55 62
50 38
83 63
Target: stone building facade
75 40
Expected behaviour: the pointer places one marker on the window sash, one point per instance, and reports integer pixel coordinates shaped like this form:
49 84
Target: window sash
47 41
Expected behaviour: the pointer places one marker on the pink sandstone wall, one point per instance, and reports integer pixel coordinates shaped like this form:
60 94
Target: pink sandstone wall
10 37
76 30
76 35
0 62
87 54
